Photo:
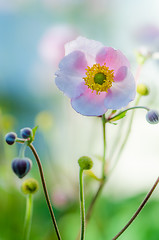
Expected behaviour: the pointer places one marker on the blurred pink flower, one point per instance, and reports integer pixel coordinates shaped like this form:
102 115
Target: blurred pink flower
148 37
95 77
148 34
51 46
60 198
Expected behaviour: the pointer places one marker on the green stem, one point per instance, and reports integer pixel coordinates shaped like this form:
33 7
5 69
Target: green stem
22 150
91 206
45 190
82 203
128 109
104 146
138 210
89 212
28 216
44 185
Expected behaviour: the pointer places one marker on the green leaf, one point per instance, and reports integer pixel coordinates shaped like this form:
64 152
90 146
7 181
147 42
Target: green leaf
33 135
114 111
34 131
113 123
91 174
118 117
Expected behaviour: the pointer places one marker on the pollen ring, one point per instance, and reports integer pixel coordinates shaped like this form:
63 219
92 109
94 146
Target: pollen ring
99 78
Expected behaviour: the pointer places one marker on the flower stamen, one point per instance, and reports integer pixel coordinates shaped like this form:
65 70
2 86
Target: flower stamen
99 78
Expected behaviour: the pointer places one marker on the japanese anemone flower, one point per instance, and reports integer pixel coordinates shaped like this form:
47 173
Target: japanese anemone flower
95 77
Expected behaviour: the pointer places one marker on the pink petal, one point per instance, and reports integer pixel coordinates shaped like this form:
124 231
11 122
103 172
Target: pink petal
121 74
71 86
89 104
114 59
89 47
121 93
69 77
74 63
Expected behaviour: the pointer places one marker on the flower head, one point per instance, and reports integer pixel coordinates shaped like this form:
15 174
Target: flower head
95 77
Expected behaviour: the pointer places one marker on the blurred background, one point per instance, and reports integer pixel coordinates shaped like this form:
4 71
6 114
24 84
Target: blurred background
32 38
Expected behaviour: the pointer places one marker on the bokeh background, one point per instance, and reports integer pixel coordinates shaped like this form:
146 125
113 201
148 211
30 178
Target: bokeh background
32 38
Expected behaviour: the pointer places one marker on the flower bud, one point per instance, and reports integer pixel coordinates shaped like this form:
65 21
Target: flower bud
30 186
142 55
26 132
152 117
85 163
21 166
142 89
10 138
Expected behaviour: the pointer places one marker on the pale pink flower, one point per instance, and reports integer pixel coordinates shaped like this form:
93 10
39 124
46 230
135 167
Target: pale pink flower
95 77
51 46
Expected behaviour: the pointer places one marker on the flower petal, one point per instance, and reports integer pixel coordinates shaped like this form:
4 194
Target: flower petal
89 47
114 59
121 74
74 63
121 93
69 78
89 104
71 86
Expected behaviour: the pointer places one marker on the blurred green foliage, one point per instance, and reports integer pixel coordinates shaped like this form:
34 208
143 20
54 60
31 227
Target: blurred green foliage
108 218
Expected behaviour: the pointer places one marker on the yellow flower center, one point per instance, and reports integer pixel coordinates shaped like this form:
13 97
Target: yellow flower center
99 78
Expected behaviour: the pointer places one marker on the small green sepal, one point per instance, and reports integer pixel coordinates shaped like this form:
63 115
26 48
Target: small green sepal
33 135
117 117
34 131
91 174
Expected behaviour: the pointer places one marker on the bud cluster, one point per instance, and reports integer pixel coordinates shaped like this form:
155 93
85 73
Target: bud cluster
21 165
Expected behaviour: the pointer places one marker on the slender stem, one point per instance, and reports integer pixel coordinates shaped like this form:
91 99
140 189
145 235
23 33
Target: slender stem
28 216
138 210
43 184
104 146
82 203
131 108
88 215
45 190
89 212
22 150
90 209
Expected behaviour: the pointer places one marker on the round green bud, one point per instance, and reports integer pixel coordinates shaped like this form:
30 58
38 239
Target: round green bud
142 89
30 186
85 163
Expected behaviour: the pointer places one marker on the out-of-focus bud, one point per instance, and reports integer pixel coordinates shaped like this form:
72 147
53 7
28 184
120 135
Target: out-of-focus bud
85 163
152 117
142 89
10 138
30 186
21 166
26 132
142 55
